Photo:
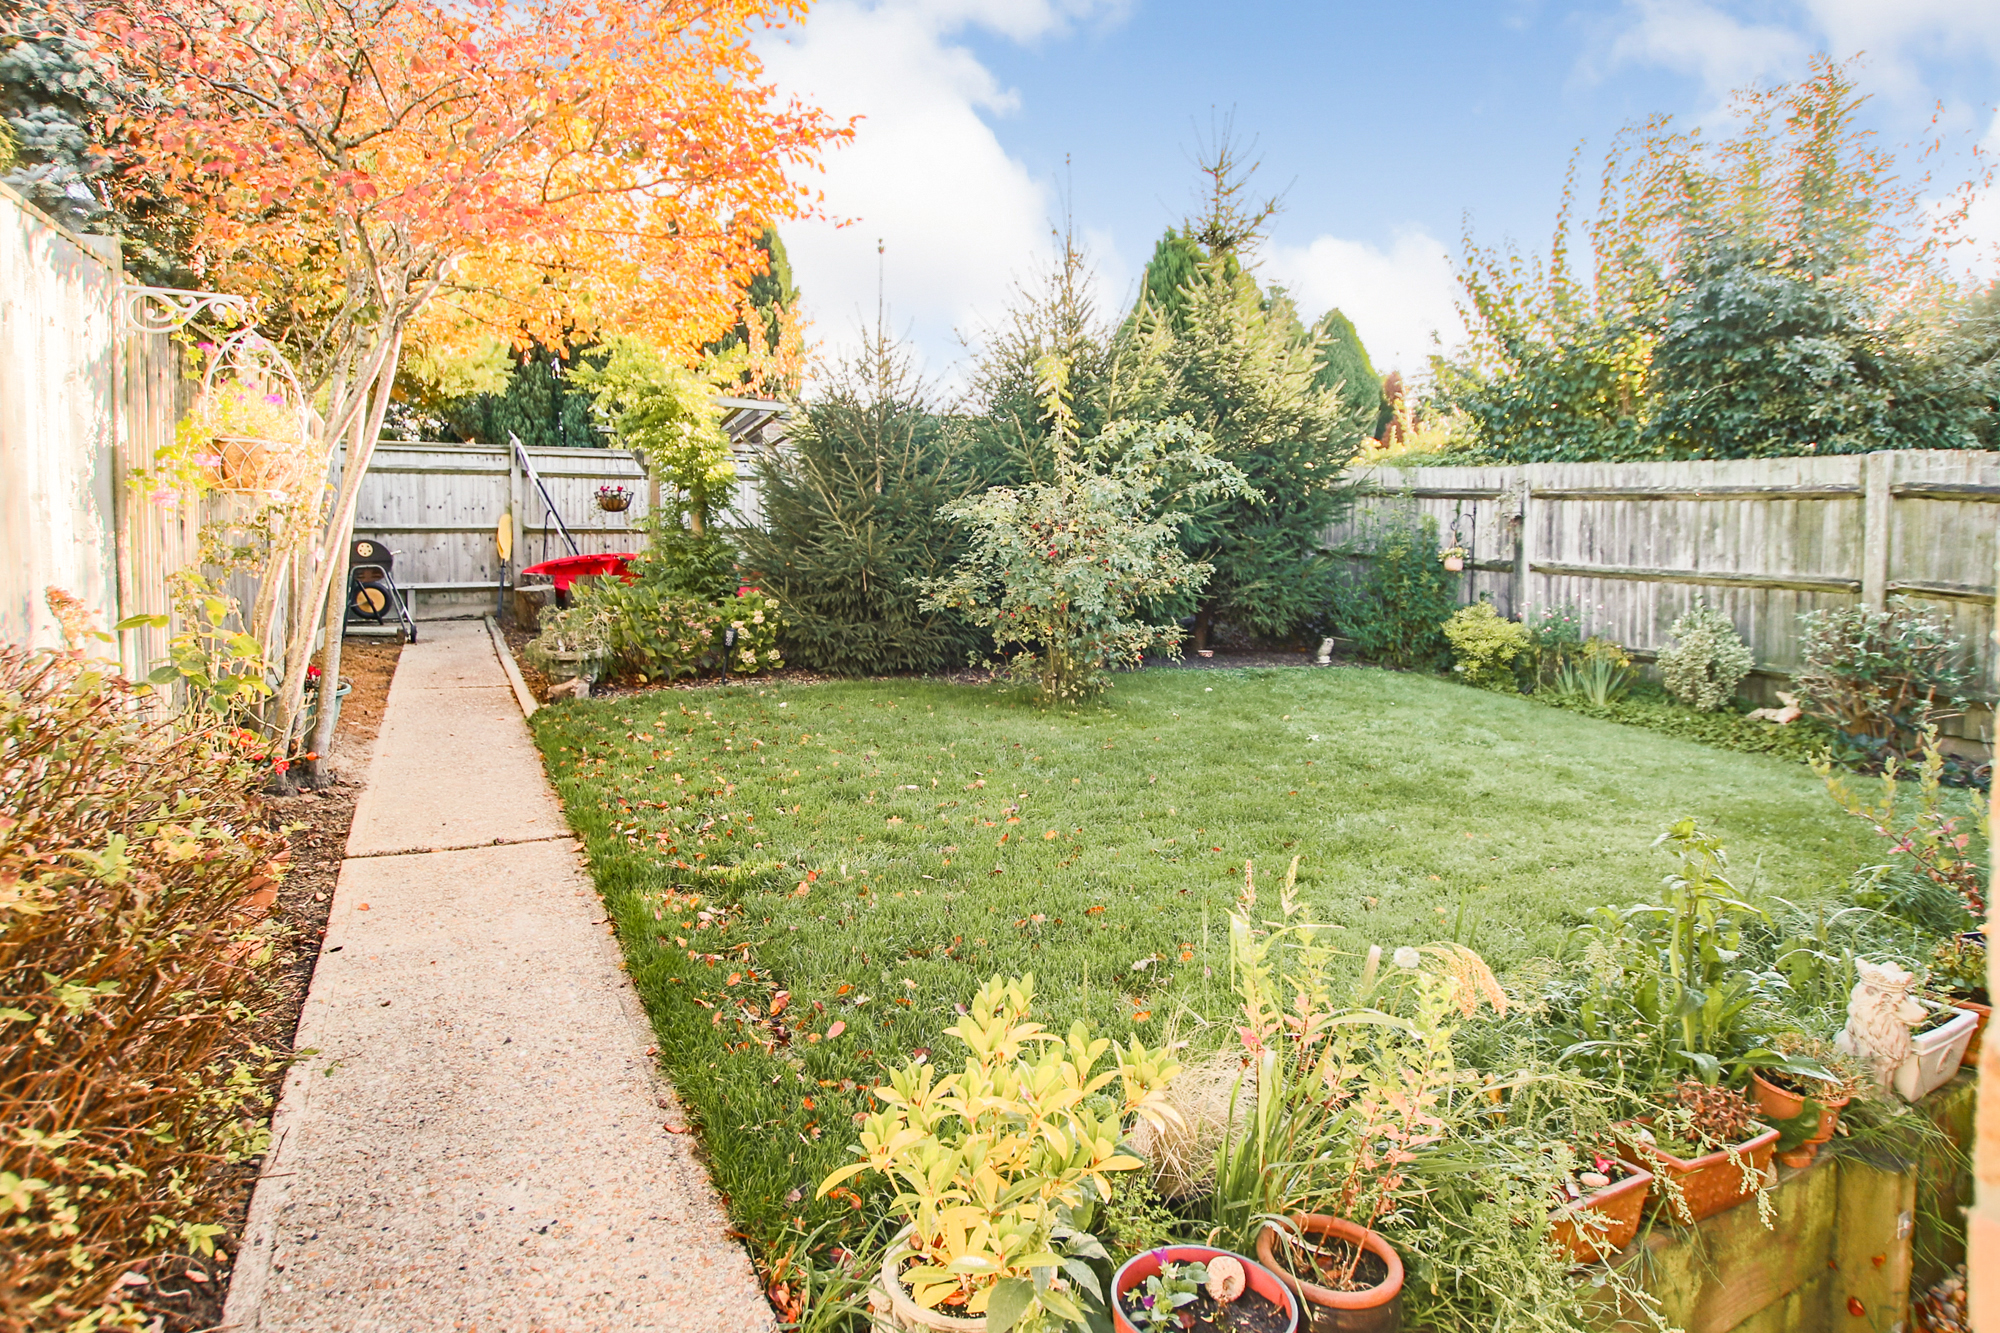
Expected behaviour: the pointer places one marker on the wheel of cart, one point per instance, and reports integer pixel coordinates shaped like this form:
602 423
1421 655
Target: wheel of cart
372 596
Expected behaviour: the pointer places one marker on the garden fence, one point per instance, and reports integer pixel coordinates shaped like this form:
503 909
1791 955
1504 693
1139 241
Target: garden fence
1633 545
440 507
84 400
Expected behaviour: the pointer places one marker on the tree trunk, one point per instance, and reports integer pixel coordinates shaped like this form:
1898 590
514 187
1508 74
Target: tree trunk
1204 619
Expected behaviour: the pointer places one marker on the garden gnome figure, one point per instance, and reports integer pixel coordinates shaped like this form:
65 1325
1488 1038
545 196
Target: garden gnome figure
1880 1013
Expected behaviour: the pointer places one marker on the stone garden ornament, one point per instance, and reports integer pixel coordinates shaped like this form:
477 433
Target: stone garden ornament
1880 1013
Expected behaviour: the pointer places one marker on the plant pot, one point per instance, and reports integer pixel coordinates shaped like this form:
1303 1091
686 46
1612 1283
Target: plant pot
1708 1184
1620 1204
1378 1309
1784 1104
1985 1014
891 1310
614 504
1135 1271
310 713
1454 563
1935 1055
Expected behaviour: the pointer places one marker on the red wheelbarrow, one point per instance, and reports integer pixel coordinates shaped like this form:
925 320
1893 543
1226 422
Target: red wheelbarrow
565 570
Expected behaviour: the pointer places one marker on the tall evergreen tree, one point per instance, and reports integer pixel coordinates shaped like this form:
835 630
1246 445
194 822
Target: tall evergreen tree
851 521
1236 361
1344 365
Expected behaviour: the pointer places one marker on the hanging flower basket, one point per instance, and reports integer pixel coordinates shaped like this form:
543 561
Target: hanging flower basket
248 438
614 499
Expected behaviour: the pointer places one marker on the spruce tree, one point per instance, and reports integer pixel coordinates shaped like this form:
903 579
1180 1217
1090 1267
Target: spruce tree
851 522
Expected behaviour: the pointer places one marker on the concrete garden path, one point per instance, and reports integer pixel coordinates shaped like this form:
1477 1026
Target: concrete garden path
476 1139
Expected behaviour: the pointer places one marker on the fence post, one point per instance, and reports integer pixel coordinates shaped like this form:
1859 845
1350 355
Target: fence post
1878 514
516 504
1523 520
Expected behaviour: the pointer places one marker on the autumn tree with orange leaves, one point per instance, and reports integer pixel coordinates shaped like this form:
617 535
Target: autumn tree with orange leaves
367 170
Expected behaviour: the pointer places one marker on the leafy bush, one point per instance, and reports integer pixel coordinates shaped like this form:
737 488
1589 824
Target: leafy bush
992 1164
1935 876
652 632
1061 572
1880 677
1395 611
134 873
852 523
1485 646
1707 659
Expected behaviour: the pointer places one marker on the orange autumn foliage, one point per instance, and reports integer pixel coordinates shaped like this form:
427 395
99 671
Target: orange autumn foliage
540 166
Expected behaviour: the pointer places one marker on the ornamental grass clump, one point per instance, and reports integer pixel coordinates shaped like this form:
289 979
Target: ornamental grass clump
1706 661
998 1167
135 874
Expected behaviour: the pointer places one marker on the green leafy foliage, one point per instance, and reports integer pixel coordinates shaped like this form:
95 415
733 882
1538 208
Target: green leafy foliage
1394 610
1487 649
1707 659
1061 572
133 955
852 525
992 1163
654 404
1238 365
1880 678
1779 291
651 631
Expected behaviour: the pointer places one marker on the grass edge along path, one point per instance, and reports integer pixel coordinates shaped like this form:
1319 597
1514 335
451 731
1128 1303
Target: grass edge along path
807 879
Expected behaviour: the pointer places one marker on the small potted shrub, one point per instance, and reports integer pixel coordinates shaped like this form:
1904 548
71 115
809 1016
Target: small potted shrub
1706 1149
1606 1197
993 1163
1958 978
1784 1092
1200 1289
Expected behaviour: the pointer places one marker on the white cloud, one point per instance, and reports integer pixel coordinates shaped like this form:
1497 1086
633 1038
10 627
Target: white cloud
925 175
1397 297
1724 46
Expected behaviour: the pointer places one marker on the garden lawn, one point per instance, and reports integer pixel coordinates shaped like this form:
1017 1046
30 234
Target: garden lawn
807 879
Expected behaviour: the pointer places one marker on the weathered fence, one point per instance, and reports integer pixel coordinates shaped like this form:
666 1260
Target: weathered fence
440 507
1632 545
84 400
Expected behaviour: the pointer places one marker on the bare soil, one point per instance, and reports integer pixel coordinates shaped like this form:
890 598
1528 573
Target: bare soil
185 1293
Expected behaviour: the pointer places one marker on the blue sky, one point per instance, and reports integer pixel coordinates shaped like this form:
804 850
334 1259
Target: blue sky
1383 125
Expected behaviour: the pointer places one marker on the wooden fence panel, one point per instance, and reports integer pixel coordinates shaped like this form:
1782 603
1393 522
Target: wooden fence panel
1633 545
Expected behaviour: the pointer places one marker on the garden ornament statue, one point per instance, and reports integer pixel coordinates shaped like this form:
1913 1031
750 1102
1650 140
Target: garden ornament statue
1880 1013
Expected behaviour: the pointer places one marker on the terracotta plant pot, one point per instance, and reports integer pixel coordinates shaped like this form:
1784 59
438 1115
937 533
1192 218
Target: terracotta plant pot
891 1310
1620 1204
1378 1309
1783 1104
1135 1271
1454 563
1985 1013
1708 1184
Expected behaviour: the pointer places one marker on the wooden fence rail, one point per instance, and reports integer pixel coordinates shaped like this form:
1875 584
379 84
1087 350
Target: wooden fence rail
1633 545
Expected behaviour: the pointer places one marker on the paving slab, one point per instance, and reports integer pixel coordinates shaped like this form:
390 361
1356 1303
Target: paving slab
476 1139
454 765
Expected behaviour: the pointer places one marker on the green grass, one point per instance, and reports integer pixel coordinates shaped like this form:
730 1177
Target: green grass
1419 809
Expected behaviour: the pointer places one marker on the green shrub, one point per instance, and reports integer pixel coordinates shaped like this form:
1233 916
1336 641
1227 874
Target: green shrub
1649 707
852 522
652 632
1062 572
1485 646
134 865
1707 659
1394 612
1880 677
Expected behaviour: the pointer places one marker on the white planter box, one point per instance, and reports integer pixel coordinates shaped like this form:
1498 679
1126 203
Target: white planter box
1934 1055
